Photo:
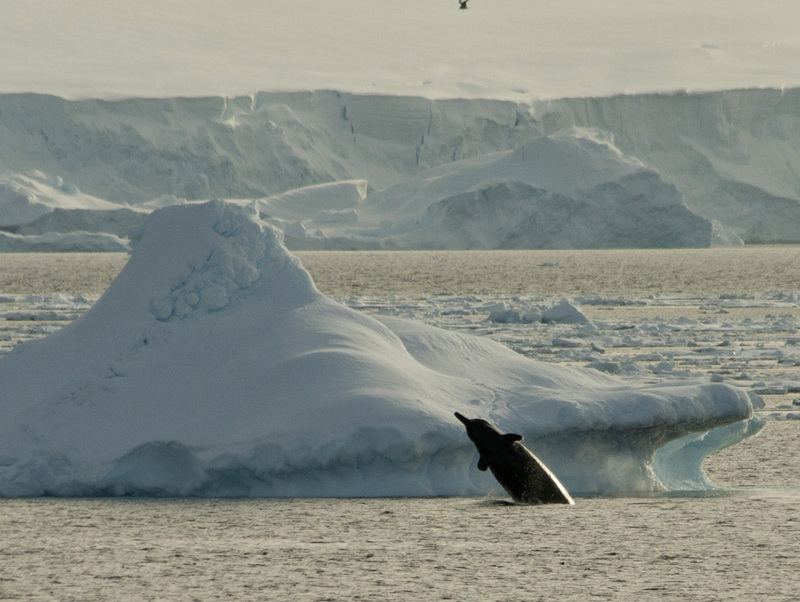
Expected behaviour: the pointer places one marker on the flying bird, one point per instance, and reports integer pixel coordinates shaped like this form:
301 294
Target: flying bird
462 4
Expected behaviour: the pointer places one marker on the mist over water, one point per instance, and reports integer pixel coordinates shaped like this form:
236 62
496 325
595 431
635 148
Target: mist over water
739 541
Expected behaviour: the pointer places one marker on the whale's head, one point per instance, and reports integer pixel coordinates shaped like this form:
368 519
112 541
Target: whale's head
476 426
484 435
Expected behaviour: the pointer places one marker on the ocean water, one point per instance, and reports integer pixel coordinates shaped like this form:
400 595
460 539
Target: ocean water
633 273
726 313
738 545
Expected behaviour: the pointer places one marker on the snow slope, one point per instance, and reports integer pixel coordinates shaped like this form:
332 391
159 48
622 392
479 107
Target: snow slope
569 190
212 366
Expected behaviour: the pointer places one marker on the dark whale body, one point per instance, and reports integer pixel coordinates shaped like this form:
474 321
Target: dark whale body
526 479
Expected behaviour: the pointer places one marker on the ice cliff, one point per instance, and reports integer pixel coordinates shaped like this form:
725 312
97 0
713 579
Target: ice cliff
213 367
732 157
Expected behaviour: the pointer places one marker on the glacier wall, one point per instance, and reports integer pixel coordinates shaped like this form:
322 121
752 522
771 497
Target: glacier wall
733 155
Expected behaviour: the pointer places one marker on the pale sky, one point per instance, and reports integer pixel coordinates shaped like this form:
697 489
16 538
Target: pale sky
516 49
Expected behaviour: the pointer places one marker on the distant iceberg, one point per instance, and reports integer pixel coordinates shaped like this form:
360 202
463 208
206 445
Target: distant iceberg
42 213
213 366
24 198
62 242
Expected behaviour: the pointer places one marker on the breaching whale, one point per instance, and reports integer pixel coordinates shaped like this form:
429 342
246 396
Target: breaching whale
526 479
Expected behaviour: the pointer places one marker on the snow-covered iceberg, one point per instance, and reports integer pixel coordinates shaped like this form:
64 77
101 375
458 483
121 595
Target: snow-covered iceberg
212 366
43 213
62 242
26 198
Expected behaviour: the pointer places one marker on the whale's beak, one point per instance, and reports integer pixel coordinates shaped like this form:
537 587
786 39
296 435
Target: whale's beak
466 421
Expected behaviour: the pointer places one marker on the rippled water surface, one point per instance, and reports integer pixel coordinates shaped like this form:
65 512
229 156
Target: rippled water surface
722 313
635 273
740 545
